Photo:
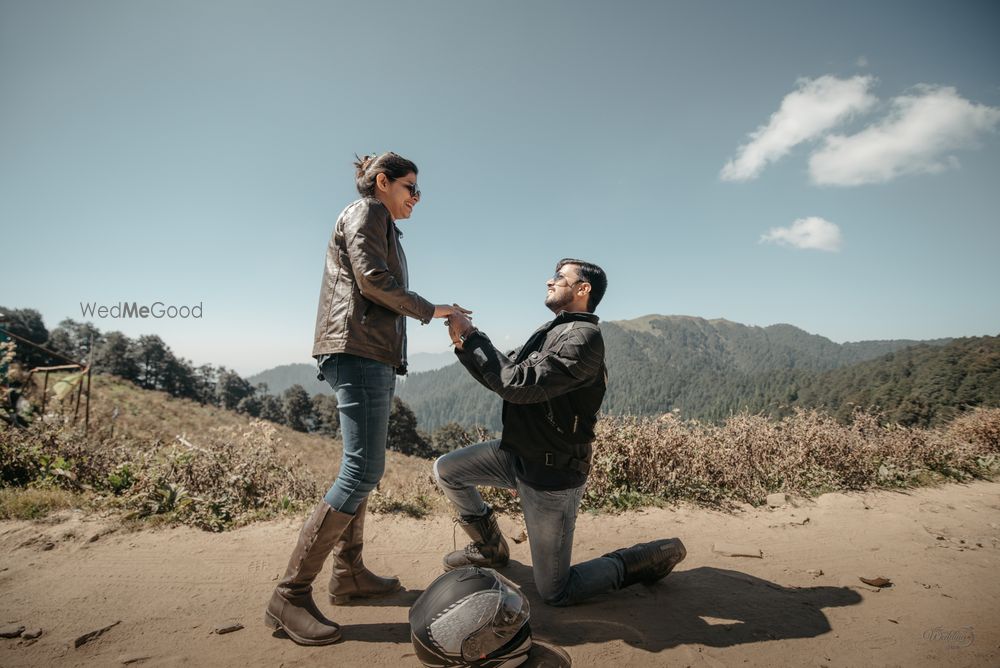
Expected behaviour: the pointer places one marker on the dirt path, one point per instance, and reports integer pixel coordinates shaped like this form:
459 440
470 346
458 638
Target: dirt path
801 604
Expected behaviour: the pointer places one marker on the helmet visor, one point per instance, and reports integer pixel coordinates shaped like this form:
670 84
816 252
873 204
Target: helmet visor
504 612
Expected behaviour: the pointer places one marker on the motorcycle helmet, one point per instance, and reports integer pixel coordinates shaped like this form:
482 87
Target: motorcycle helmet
471 616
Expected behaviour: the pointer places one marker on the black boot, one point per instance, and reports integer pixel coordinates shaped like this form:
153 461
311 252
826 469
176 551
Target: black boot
488 547
649 562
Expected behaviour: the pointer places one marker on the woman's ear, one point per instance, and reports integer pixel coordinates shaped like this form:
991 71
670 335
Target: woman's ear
382 181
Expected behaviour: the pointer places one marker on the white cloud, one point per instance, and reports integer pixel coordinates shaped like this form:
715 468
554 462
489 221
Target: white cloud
815 107
811 233
916 137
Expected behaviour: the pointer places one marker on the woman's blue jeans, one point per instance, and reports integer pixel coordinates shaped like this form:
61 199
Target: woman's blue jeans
364 390
550 517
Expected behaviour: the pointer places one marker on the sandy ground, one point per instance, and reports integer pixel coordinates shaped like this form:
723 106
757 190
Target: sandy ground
801 604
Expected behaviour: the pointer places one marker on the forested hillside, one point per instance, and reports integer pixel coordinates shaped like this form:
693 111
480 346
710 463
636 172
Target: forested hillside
710 369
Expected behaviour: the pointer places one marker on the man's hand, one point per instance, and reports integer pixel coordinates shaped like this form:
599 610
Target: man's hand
459 325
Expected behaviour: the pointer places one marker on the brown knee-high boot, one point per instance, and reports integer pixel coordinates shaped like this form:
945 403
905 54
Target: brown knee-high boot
291 607
350 578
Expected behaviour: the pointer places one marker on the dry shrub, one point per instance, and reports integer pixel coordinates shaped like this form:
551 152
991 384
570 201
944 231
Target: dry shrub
641 460
234 477
980 428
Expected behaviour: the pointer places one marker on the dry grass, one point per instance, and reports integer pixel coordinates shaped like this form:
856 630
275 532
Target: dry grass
229 470
31 503
639 460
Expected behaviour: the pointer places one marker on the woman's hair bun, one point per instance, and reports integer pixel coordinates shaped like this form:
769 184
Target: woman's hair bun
362 164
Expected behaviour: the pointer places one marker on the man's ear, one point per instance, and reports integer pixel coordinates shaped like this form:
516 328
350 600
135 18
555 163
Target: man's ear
584 288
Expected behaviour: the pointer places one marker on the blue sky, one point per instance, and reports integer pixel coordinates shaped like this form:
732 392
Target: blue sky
829 165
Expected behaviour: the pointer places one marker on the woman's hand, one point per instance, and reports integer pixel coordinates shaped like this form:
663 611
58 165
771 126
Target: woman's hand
445 310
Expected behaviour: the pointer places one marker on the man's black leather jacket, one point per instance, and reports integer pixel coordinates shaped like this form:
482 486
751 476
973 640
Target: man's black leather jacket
552 388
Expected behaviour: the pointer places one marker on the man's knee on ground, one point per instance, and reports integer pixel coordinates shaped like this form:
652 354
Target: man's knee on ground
558 600
553 597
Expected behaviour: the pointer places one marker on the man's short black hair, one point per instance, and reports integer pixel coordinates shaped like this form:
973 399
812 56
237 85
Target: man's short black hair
592 274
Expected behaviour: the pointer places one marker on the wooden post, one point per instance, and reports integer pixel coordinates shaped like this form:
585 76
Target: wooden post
86 423
45 391
76 408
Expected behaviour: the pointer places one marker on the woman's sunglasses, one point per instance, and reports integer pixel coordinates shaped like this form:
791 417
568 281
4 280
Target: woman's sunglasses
412 187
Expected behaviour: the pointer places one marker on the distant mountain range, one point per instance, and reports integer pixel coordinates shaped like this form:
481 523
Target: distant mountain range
280 378
704 369
711 369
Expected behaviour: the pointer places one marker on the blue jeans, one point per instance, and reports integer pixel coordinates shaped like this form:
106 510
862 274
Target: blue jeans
550 517
364 389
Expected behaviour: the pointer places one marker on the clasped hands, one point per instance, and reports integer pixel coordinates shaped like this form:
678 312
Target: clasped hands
459 327
457 320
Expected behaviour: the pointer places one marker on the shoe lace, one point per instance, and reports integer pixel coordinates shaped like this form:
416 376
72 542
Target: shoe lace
471 549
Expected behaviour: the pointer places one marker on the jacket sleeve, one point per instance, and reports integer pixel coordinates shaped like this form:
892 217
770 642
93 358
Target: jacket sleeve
366 230
470 365
573 361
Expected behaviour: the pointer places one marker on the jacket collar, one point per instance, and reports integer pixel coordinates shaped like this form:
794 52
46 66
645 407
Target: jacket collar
570 316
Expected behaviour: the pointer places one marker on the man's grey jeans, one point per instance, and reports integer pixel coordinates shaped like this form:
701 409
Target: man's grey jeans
550 517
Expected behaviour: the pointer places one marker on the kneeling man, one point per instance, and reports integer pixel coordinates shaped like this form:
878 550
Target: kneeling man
552 388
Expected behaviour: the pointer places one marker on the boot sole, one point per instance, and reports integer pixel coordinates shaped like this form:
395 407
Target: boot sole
679 556
346 599
272 622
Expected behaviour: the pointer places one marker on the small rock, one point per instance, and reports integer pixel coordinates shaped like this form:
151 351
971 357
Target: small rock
815 572
879 582
48 546
11 631
133 658
733 550
31 634
228 628
776 500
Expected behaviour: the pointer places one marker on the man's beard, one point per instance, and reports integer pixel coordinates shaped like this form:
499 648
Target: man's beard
556 304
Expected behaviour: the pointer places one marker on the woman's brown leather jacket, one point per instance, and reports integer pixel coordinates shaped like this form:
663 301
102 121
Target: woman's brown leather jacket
364 298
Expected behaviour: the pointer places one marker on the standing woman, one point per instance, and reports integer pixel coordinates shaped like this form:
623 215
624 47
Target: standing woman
360 346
